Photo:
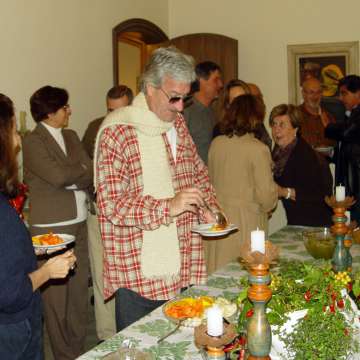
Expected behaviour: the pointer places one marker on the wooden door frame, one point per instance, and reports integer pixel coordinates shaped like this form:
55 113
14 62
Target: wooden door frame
151 34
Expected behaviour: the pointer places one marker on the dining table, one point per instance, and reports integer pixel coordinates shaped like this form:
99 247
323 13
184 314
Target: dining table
225 282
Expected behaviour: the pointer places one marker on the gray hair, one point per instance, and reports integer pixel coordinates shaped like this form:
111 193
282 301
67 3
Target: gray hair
167 62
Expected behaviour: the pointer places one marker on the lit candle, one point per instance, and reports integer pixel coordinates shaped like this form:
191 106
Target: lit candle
258 241
347 214
215 325
340 193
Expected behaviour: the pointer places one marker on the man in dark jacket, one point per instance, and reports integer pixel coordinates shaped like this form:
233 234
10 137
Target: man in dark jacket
347 134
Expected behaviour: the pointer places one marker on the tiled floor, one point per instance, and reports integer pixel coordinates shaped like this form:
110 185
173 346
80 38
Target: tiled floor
91 338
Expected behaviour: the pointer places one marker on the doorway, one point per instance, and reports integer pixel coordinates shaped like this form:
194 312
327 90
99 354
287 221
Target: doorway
134 40
132 43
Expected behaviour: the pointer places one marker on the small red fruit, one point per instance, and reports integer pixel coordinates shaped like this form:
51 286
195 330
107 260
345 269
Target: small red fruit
250 313
341 304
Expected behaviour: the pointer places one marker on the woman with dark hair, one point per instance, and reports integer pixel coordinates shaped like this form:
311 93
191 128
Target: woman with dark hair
20 279
59 172
235 88
240 170
303 176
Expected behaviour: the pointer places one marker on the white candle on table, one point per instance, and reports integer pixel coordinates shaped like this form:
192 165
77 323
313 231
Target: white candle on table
215 325
258 241
347 214
340 193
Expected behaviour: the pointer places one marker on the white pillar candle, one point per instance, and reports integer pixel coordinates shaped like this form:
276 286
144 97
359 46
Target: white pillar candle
347 214
258 241
340 193
215 325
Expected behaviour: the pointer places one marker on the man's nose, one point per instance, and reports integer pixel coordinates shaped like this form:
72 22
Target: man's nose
179 105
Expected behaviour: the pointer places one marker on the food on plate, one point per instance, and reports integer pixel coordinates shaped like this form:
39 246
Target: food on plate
188 307
47 239
193 310
217 227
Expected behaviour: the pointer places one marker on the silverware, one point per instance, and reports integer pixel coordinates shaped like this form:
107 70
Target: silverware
220 218
172 331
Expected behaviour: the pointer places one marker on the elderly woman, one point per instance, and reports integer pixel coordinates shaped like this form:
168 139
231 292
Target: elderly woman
20 279
240 170
303 176
58 172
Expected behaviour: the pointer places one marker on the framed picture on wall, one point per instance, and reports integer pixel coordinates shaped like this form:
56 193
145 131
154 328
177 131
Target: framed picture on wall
328 62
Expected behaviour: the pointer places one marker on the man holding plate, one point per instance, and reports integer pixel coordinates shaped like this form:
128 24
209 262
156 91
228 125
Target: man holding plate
315 118
152 188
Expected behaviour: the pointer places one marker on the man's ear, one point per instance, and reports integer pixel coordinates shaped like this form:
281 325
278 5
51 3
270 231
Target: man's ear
150 90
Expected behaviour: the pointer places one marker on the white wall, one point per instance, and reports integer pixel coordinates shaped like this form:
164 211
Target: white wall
65 43
263 30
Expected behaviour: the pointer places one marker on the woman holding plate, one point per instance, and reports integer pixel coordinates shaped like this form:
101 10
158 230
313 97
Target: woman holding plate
20 279
58 172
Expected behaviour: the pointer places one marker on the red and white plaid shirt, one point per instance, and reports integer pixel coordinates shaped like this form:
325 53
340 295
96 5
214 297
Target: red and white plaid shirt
124 211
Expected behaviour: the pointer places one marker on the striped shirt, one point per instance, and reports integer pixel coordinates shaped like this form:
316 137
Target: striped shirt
125 212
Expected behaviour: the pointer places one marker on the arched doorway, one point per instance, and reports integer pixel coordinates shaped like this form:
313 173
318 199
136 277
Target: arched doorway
135 39
131 39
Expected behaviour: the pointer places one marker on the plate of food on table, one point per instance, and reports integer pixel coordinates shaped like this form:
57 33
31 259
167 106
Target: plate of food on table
192 310
212 230
52 241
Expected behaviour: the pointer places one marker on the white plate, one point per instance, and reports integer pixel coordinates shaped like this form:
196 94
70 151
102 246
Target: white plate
205 230
66 237
324 149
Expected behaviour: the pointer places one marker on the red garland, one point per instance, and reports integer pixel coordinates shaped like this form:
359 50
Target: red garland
18 202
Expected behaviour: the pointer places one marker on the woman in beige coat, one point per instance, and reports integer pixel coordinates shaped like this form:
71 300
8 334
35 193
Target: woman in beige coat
240 170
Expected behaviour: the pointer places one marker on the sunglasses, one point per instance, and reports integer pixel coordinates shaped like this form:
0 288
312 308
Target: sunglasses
175 99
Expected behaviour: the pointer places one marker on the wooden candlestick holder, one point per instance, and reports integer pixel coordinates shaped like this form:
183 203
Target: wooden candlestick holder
342 259
259 293
258 327
214 345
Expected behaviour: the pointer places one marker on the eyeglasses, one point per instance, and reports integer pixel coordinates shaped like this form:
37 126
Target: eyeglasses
175 99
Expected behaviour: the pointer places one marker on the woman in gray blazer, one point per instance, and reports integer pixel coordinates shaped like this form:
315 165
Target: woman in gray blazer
58 173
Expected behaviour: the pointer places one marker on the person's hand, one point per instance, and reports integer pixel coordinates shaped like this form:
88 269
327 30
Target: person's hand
186 200
58 266
287 193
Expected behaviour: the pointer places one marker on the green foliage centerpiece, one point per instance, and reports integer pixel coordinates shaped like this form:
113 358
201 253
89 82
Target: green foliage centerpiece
327 326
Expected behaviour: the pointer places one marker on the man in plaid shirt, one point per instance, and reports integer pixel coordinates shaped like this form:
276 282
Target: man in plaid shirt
152 188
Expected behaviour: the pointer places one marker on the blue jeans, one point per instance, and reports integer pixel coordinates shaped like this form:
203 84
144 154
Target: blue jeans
130 307
22 340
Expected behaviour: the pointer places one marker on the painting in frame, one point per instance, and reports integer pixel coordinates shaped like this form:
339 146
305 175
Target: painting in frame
328 62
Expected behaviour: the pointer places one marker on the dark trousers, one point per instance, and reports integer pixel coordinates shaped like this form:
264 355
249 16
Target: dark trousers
130 307
66 300
23 340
